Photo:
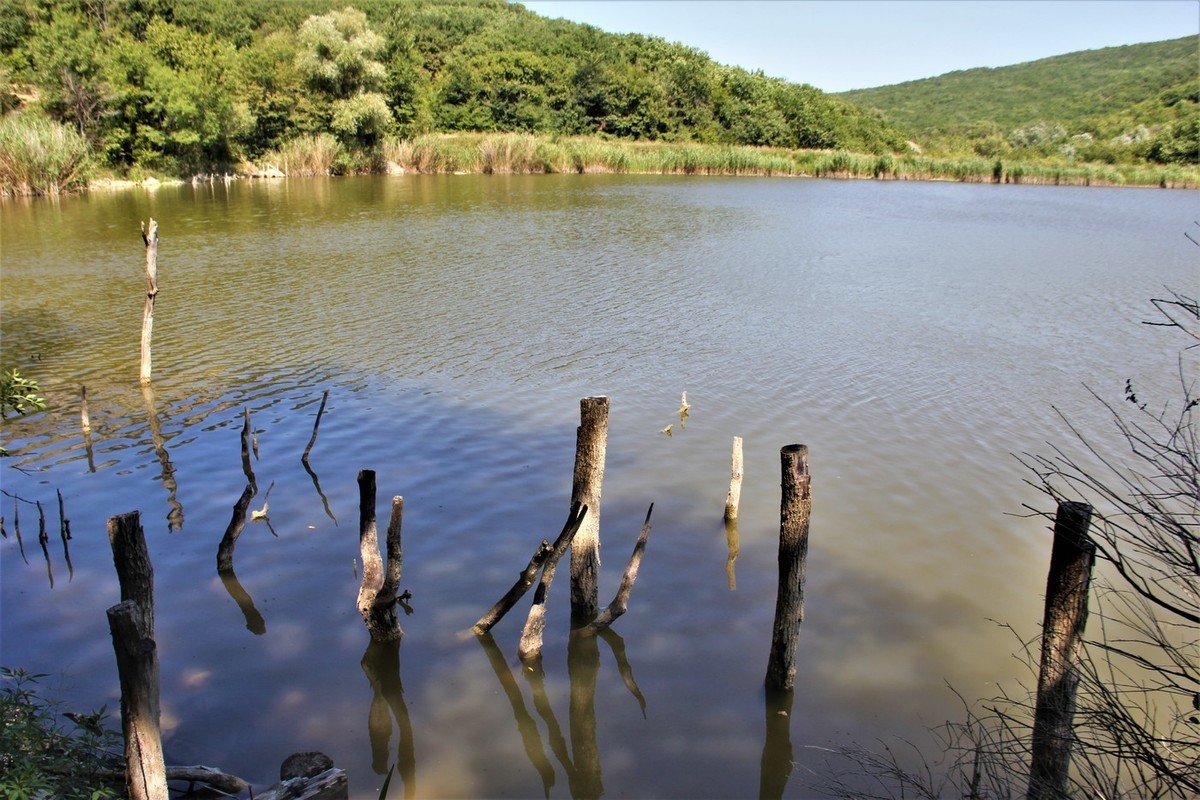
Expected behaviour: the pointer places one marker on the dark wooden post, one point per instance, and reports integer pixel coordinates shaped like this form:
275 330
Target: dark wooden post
794 508
132 625
1072 557
591 442
150 237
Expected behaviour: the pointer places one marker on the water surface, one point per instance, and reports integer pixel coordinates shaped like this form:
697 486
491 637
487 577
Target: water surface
914 336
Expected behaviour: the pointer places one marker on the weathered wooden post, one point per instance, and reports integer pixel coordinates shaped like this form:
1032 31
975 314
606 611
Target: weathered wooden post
1072 557
794 508
735 482
150 237
377 595
591 443
132 625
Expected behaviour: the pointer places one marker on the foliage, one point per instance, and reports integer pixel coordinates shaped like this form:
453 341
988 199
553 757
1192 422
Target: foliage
40 156
1088 105
186 86
39 757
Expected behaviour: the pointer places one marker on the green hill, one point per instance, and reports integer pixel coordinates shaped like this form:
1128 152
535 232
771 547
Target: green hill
1108 104
196 85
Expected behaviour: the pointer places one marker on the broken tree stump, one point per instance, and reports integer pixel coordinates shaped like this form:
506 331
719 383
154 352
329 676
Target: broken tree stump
377 595
591 443
794 508
131 623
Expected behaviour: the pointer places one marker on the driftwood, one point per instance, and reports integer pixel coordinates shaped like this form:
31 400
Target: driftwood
795 506
535 624
1068 582
377 595
150 237
591 443
328 785
620 603
524 581
222 781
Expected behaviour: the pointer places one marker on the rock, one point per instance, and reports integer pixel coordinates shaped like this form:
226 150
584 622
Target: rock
304 765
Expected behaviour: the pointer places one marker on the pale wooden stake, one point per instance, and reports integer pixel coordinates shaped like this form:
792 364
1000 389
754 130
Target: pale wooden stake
150 237
735 482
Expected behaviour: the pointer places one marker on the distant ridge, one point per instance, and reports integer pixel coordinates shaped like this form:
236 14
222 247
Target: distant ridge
1104 92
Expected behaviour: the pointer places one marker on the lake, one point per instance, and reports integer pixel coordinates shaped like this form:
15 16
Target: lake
914 335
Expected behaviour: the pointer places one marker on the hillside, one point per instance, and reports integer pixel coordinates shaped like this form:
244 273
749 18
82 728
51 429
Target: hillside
1128 93
190 86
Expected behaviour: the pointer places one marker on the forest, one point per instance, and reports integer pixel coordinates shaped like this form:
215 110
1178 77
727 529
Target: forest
178 88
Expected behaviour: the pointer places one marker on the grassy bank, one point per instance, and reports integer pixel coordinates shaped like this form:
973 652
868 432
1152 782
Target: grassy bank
530 154
43 158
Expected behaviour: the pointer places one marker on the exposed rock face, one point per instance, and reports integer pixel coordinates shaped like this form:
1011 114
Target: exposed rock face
304 765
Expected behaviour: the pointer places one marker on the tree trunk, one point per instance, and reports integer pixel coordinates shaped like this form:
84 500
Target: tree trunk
591 444
1072 557
795 505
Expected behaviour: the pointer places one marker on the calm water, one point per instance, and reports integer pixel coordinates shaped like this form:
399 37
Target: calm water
913 335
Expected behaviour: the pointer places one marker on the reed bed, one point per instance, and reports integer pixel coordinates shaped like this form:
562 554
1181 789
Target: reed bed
321 154
41 157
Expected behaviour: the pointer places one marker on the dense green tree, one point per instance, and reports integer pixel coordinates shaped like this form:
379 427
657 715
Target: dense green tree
338 57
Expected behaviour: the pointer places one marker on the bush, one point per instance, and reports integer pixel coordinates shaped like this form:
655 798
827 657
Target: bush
39 758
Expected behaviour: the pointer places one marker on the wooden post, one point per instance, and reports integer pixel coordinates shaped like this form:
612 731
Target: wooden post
794 508
150 237
591 442
735 482
132 625
1072 557
377 595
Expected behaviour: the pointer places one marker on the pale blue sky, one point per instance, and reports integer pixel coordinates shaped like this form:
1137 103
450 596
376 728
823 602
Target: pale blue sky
837 45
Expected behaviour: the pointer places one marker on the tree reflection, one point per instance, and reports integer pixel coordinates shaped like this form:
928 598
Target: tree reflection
254 620
175 515
776 765
381 664
580 760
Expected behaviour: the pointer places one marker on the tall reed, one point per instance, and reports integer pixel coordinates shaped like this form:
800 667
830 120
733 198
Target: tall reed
318 154
40 156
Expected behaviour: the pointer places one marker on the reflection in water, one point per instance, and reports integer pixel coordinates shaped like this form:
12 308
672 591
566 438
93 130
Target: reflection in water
583 665
304 458
254 620
381 664
776 766
44 541
175 515
525 723
731 537
64 530
581 762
